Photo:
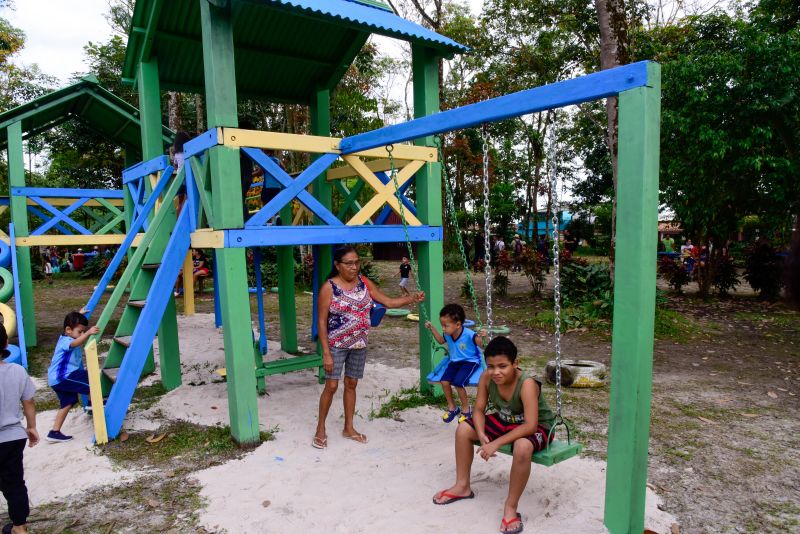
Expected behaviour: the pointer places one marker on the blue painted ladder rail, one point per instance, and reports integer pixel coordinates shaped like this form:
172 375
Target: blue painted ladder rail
141 341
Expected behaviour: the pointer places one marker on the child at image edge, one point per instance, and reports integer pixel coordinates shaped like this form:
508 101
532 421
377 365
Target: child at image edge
518 415
66 374
15 387
463 348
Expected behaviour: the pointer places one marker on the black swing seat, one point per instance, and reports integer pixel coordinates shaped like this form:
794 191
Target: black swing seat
558 451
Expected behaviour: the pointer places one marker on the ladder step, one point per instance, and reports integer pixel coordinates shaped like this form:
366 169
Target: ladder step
151 266
111 373
137 303
125 341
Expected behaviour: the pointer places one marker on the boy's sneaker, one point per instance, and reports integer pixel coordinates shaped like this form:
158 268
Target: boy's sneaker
55 436
449 415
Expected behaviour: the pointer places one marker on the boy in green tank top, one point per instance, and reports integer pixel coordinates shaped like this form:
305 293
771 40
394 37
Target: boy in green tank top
509 409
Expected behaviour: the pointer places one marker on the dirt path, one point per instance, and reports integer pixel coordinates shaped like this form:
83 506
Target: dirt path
725 402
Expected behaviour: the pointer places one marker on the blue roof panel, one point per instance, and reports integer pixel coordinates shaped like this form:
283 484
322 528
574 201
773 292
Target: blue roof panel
380 21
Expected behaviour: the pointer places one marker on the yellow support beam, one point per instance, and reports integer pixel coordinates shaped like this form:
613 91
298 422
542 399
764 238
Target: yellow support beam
188 284
207 238
96 392
384 194
56 202
378 165
236 137
72 240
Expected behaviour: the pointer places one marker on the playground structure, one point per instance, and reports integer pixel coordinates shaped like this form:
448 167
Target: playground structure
165 54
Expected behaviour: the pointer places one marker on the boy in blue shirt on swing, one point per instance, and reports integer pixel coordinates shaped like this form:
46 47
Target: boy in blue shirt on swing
464 350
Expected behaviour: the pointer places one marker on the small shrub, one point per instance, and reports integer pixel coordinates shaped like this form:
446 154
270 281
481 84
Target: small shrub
453 261
500 284
673 272
369 270
725 278
465 289
763 270
534 266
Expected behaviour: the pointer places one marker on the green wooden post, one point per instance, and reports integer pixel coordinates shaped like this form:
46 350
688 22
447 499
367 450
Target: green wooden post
320 111
152 146
286 296
634 306
425 69
19 216
234 299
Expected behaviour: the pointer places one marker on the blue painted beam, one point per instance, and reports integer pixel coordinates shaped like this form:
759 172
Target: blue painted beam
270 167
144 168
327 235
583 89
66 192
60 215
20 318
45 218
200 144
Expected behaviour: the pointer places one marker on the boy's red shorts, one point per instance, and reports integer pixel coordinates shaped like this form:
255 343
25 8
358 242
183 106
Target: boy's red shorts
496 427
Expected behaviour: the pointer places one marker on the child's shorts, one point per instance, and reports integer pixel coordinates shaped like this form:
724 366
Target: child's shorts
458 373
496 427
76 383
403 282
351 360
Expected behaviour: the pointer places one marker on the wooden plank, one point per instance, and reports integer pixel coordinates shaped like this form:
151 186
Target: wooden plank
94 203
207 238
384 194
376 165
236 137
96 392
69 240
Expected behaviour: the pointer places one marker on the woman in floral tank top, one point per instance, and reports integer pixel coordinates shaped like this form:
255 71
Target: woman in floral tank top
344 305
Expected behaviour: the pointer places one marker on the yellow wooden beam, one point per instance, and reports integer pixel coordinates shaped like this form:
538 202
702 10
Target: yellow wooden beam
384 194
78 239
376 165
96 392
188 284
207 238
117 202
315 144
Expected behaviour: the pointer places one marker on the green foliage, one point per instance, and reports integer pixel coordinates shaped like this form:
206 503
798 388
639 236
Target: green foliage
405 399
582 282
370 270
673 271
453 261
95 267
500 284
763 270
726 277
534 266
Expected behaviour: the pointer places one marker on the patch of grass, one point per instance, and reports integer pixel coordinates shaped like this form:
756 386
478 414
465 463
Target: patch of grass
147 396
781 320
678 453
405 399
675 326
182 440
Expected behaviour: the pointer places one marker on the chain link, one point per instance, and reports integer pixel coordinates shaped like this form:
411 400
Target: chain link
486 229
451 206
423 314
551 168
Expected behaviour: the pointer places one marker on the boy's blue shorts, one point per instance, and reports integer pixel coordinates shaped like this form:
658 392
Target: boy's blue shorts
458 373
76 383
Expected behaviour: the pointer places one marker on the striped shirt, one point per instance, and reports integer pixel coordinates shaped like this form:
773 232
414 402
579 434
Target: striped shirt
348 316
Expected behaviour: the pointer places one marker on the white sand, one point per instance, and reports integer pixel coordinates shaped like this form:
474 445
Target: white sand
384 486
287 486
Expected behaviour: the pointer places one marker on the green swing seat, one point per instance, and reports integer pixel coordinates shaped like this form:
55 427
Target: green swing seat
558 451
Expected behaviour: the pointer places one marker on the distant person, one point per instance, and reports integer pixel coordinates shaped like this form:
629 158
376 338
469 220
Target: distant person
480 250
517 249
465 241
570 243
16 388
464 351
66 374
405 272
510 409
669 243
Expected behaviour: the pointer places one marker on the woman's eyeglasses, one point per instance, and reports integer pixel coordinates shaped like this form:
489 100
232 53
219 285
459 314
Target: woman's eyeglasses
354 263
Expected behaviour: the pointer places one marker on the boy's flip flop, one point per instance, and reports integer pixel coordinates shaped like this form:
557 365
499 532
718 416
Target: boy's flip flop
451 498
505 524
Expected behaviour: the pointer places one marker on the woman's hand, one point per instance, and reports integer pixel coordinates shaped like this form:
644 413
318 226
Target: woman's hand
416 297
428 325
327 362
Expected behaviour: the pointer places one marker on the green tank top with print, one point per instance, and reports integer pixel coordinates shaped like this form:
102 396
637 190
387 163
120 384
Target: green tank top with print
511 410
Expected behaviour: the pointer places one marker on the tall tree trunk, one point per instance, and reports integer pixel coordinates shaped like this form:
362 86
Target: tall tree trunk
174 113
613 52
200 111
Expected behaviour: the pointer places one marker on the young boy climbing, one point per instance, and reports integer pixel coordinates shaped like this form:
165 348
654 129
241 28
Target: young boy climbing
16 388
463 348
518 415
66 374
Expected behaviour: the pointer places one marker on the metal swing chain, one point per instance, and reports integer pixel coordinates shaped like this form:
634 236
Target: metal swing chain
423 314
486 229
454 221
551 164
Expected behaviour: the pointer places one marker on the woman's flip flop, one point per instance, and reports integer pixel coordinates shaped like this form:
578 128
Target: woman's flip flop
451 498
358 437
319 443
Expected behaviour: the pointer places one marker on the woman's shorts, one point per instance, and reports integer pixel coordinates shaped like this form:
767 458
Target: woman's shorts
496 427
351 360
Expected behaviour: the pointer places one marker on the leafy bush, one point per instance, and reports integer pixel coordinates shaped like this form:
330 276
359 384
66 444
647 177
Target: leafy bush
453 261
587 287
369 270
534 266
726 277
500 284
96 267
763 270
673 271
